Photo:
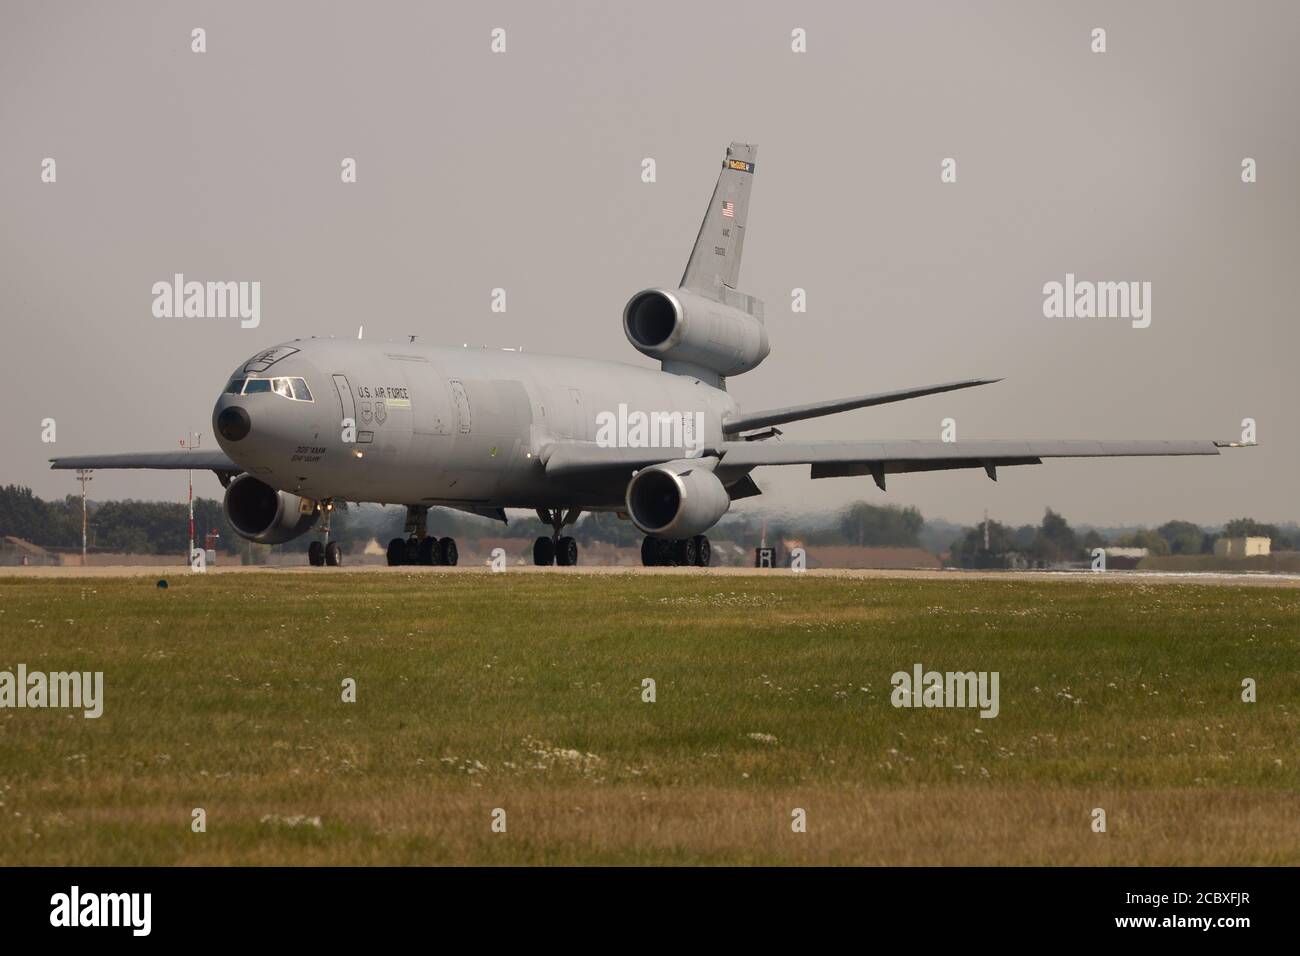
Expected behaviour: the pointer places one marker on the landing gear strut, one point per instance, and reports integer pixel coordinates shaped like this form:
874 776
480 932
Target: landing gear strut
326 551
420 547
686 552
557 549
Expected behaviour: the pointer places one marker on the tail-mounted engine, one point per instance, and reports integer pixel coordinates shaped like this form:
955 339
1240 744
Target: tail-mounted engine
260 513
691 334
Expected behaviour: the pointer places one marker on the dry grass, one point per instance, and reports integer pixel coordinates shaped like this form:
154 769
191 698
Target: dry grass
478 691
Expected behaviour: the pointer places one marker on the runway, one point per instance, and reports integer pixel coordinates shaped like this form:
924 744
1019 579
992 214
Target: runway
1244 579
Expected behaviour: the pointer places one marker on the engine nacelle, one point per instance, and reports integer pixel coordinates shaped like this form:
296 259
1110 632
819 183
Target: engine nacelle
683 328
677 499
260 513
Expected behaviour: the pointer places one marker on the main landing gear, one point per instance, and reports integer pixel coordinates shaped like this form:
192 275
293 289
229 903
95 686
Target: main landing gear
556 549
325 552
420 547
686 552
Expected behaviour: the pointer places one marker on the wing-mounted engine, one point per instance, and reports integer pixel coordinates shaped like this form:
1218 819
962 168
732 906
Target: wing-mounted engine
694 335
260 513
677 499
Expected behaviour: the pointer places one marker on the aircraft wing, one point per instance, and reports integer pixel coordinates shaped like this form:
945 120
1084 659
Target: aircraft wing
797 413
584 457
833 459
197 459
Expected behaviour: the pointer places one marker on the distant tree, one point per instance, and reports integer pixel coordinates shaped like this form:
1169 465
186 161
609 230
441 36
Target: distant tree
1144 538
865 524
1182 537
26 516
1055 540
1022 539
968 551
604 526
1248 528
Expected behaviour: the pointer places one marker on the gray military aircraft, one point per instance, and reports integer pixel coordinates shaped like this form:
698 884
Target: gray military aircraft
314 421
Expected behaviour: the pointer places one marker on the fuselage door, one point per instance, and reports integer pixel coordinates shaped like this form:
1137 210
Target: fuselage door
348 407
464 414
577 417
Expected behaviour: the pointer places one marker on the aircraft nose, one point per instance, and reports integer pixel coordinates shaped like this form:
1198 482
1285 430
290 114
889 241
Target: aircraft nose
233 423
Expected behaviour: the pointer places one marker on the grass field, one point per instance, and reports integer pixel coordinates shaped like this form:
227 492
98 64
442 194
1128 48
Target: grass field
523 692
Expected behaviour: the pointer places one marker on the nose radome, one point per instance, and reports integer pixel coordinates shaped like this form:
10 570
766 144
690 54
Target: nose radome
233 423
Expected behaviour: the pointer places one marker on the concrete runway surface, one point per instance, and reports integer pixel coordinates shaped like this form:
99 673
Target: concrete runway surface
1127 577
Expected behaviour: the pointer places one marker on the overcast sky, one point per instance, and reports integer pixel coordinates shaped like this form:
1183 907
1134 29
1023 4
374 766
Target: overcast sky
522 170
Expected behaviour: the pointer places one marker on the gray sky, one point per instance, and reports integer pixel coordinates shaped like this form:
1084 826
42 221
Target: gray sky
522 170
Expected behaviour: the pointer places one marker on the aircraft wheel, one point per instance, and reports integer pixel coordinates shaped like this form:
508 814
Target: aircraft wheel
543 552
429 551
649 551
703 551
396 552
566 555
315 554
663 552
447 552
412 551
334 554
684 552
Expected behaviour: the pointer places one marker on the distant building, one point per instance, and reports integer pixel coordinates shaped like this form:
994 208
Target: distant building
19 551
1124 559
1242 547
1136 553
851 556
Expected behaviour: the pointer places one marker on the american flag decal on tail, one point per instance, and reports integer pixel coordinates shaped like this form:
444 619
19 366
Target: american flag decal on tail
729 209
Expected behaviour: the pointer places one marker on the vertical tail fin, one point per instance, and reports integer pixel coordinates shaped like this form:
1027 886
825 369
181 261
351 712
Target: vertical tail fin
715 260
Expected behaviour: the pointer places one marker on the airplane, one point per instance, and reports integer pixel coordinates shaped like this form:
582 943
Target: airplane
313 421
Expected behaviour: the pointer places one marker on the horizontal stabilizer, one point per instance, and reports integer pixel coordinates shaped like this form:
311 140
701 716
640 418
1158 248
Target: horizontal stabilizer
167 460
795 413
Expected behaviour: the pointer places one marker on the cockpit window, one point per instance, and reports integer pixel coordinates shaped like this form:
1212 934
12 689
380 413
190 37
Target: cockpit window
235 386
293 388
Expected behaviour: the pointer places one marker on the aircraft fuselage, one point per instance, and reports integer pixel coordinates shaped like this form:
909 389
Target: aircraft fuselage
461 427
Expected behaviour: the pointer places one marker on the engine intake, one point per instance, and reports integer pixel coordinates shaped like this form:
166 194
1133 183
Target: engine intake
260 513
677 499
683 328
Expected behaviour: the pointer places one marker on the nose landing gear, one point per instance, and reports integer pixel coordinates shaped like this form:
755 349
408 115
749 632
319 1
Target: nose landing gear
556 549
325 552
420 547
